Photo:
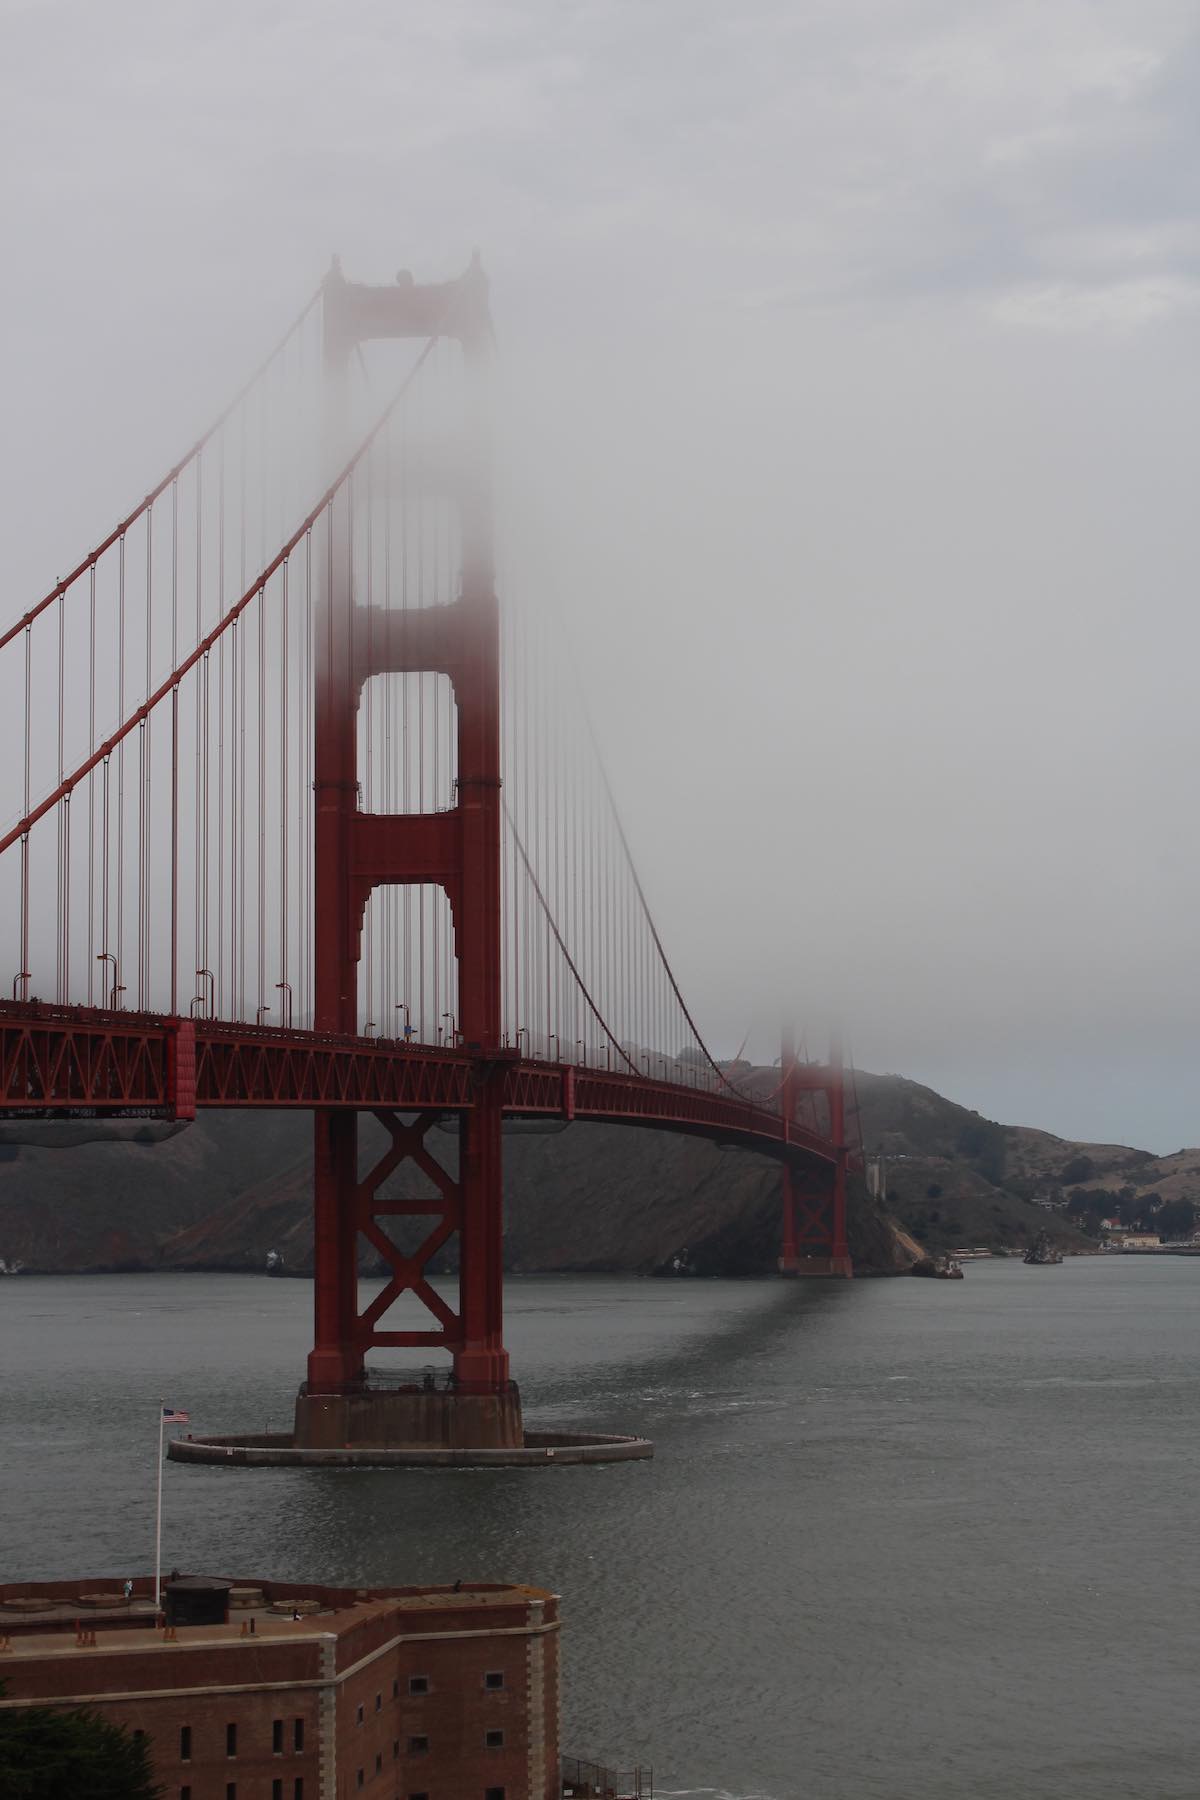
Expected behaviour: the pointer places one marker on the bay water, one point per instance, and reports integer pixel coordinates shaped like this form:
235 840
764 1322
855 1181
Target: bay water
900 1539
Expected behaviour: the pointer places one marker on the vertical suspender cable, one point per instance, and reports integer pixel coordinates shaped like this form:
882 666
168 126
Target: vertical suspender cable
198 864
421 802
261 818
374 1009
344 701
117 984
284 871
406 721
306 808
241 645
219 971
144 791
62 906
387 985
174 749
91 879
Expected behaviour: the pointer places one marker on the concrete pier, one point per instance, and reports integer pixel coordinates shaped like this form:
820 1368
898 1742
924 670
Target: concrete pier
538 1450
409 1419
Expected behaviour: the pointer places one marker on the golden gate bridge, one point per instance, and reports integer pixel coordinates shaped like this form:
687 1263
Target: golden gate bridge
298 815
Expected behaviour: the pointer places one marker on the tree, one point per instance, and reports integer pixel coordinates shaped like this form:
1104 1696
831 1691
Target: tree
46 1754
1086 1201
1139 1211
1080 1168
985 1144
1176 1218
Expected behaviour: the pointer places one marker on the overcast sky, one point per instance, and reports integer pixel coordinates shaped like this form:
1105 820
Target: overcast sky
850 409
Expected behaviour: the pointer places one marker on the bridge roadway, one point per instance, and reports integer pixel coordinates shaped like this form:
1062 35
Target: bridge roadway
61 1062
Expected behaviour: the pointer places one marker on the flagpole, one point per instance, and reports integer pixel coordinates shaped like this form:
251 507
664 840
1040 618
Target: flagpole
162 1409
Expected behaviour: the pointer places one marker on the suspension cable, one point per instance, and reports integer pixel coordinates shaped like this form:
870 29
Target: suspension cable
558 938
101 753
60 587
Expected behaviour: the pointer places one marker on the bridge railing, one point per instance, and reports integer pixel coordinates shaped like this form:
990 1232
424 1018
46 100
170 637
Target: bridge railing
586 1780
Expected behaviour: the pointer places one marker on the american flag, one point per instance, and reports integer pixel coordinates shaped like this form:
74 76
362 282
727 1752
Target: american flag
172 1416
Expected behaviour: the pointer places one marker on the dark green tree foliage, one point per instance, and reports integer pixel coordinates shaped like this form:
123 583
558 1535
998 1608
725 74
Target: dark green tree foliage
1096 1201
1137 1212
1176 1218
985 1144
48 1754
1080 1168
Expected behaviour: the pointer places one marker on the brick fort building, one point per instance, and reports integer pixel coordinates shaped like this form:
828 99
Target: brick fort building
286 1691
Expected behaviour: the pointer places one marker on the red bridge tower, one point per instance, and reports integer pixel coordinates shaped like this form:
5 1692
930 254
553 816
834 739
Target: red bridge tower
458 850
814 1202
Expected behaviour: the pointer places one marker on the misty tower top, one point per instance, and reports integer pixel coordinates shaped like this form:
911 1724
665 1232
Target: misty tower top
356 312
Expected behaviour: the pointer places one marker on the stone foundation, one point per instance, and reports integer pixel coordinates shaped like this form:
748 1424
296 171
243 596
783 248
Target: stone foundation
409 1419
816 1265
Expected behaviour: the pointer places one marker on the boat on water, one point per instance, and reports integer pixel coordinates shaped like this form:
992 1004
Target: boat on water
274 1265
1042 1251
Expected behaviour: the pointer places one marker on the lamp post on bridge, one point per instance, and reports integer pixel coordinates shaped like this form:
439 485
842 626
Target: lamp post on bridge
211 1001
105 956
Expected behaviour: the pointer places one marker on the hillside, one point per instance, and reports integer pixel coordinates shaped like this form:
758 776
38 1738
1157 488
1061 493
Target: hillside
584 1197
956 1178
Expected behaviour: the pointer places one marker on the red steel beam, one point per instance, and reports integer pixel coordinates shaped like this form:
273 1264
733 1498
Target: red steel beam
81 1062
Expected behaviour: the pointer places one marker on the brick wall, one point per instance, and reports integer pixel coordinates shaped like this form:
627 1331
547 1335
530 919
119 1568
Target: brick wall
452 1699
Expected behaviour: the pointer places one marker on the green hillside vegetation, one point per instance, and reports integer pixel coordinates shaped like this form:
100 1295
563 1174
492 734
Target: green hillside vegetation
956 1179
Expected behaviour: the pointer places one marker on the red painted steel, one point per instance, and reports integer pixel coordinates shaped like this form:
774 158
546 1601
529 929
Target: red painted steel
72 1061
813 1237
458 850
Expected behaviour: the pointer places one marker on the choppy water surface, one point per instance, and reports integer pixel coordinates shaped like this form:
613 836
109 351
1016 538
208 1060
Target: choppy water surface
900 1538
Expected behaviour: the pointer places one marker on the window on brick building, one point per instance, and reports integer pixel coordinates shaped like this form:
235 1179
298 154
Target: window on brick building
298 1735
417 1746
396 1688
298 1788
418 1684
378 1761
277 1789
231 1790
395 1749
493 1794
185 1743
418 1797
361 1778
358 1718
378 1702
231 1740
185 1793
277 1736
494 1678
494 1740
